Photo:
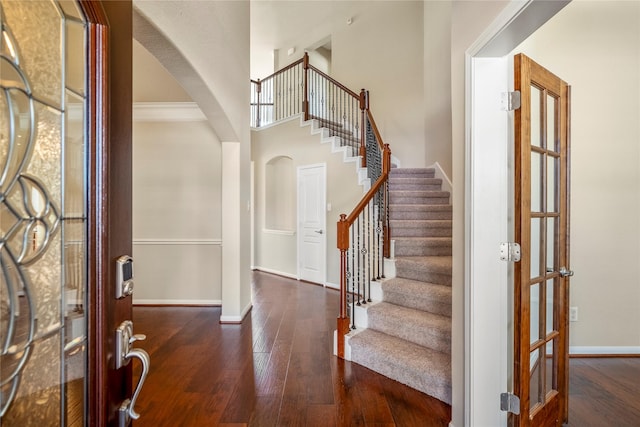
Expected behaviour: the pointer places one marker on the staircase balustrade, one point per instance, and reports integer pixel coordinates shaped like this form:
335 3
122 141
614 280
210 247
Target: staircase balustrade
363 235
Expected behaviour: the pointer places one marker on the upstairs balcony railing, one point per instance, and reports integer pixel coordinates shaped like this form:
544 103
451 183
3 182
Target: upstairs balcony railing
363 235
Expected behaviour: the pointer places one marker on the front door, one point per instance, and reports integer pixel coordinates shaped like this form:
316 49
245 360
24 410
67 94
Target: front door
312 223
65 210
541 278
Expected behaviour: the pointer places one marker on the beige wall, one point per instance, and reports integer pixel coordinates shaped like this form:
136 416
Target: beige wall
277 251
176 213
595 47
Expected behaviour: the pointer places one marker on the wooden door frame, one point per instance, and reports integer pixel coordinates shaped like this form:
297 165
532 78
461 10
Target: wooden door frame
109 197
482 340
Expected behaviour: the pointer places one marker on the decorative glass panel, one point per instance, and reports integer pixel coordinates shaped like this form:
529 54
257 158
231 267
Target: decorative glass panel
535 313
536 391
550 324
552 183
551 366
536 247
43 277
552 124
536 182
552 245
536 113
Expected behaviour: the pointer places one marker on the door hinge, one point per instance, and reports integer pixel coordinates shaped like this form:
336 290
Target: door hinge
509 402
510 252
510 101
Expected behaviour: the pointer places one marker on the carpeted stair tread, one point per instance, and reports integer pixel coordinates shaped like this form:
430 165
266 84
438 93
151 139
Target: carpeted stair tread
420 327
418 295
434 269
418 212
421 368
412 184
422 246
420 228
416 197
415 172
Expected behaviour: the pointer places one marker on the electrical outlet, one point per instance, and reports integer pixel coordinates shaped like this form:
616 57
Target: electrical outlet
573 314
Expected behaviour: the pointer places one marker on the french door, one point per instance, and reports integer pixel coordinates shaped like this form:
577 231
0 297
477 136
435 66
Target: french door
541 279
65 211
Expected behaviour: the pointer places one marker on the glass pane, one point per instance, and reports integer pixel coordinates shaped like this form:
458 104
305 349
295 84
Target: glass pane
552 124
75 57
536 182
534 320
43 275
552 245
40 33
536 247
74 157
550 308
536 112
552 183
536 390
551 366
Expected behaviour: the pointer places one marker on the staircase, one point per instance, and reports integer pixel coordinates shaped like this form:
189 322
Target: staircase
408 335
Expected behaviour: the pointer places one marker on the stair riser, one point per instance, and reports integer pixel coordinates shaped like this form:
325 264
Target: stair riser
415 215
412 250
420 232
429 337
423 380
424 276
413 187
404 200
432 305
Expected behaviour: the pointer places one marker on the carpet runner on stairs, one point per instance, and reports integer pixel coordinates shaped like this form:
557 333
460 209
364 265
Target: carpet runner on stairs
409 332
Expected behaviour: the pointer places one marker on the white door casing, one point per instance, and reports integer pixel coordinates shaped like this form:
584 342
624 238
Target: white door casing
312 223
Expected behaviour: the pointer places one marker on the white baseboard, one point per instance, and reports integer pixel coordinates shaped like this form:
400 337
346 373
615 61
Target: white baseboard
279 273
604 350
200 302
332 285
236 319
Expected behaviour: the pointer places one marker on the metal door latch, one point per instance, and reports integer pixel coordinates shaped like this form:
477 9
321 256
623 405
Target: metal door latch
510 101
124 353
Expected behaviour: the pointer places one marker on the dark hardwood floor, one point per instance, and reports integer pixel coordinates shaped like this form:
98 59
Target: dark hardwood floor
277 369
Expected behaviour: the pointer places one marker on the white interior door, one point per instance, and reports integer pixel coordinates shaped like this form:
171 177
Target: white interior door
312 221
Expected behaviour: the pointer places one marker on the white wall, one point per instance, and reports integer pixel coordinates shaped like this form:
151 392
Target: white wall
277 251
595 47
176 213
468 20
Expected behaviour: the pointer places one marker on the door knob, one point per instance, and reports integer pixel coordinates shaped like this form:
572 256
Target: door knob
318 231
124 353
564 272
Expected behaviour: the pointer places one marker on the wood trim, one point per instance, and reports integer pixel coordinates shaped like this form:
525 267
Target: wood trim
97 47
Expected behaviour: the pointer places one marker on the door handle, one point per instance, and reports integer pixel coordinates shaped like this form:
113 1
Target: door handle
564 272
318 231
124 353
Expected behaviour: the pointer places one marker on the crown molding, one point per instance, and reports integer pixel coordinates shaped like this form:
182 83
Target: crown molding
167 112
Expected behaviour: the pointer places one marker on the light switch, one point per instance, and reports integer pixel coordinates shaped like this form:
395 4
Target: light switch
328 207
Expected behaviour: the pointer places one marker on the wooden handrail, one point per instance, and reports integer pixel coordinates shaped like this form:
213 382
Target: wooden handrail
293 64
334 81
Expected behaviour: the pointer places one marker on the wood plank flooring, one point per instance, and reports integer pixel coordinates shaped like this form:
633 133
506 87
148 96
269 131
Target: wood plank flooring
277 369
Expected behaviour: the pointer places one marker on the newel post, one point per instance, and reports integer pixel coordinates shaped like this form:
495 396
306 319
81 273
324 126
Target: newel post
343 320
305 92
364 106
